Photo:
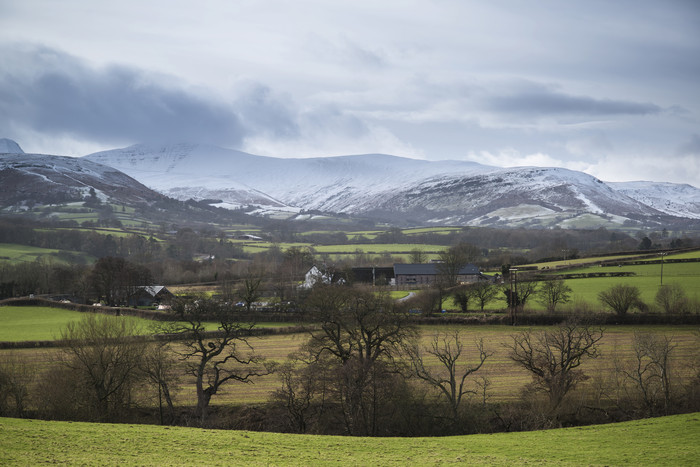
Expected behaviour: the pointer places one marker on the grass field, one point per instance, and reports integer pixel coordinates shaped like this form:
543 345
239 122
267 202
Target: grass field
28 323
14 253
344 251
505 377
671 441
647 277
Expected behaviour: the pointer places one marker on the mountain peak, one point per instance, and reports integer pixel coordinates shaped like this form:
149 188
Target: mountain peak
8 146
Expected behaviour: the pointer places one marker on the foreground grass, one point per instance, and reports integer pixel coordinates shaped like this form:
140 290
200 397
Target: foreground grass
661 441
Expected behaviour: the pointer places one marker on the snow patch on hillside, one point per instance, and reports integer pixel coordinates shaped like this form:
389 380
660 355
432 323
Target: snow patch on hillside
676 199
8 146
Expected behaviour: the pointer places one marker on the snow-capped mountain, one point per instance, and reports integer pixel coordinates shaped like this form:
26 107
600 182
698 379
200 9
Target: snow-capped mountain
36 178
186 171
521 195
676 199
389 187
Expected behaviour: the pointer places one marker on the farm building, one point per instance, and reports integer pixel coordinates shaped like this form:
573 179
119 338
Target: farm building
373 275
426 274
148 295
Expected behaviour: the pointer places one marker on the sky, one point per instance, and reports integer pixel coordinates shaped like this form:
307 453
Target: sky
608 88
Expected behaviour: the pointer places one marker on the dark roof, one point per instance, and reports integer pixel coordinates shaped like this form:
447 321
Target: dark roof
366 273
430 269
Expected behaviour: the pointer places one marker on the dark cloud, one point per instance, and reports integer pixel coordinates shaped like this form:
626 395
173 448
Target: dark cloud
56 94
543 103
262 113
690 147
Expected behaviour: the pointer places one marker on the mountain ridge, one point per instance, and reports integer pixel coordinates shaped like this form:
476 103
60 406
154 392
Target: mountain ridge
379 186
452 192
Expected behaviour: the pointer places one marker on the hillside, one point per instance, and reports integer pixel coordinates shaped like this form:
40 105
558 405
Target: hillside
658 441
36 178
676 199
58 183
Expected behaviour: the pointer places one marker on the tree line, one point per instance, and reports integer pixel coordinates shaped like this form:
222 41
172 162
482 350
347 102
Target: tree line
362 370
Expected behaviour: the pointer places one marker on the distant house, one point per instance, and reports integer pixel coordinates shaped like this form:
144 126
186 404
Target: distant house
249 237
149 295
426 274
317 276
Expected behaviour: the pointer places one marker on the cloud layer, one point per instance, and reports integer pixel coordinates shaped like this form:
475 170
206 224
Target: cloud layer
57 94
608 87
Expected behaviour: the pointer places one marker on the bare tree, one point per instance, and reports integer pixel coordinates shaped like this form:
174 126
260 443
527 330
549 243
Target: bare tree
418 256
251 288
213 357
620 298
553 357
360 335
448 349
650 371
521 293
453 260
160 371
461 297
672 299
302 380
483 292
104 356
15 378
554 292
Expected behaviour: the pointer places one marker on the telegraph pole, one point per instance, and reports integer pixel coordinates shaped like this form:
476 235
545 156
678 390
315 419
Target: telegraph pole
662 267
513 294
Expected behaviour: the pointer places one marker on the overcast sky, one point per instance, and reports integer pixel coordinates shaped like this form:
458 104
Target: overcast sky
611 88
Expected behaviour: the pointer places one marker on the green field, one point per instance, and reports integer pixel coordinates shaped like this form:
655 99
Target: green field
669 441
33 323
349 250
14 253
647 277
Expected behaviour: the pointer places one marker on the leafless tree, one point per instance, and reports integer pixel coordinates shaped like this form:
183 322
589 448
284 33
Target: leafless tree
251 286
483 292
461 297
303 379
672 299
620 298
160 370
214 358
650 370
103 354
360 335
15 378
554 292
453 260
554 356
450 380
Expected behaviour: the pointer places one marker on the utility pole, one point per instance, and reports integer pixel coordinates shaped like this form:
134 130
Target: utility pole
662 267
513 294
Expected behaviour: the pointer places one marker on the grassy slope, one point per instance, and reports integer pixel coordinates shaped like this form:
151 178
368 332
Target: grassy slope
647 278
661 441
15 253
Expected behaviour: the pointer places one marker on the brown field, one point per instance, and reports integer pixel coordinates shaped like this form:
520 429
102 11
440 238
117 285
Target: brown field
506 379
